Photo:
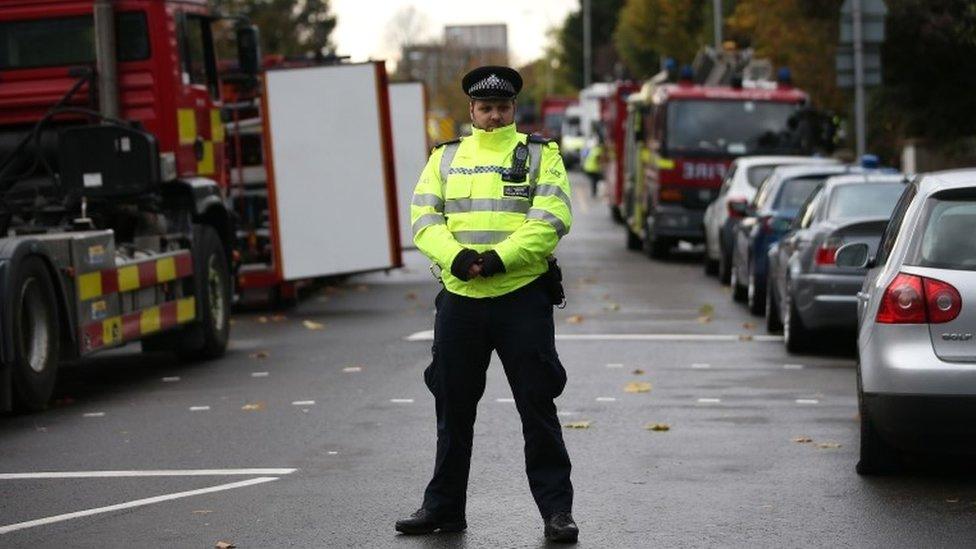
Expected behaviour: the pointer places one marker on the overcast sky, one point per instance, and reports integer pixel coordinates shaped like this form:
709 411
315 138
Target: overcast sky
361 31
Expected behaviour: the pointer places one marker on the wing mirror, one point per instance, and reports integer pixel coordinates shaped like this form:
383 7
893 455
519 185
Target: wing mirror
248 49
854 256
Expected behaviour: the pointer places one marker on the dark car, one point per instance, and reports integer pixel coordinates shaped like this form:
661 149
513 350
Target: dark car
807 290
770 215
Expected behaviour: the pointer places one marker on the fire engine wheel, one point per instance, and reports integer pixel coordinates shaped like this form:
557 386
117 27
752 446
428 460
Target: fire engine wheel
207 338
37 337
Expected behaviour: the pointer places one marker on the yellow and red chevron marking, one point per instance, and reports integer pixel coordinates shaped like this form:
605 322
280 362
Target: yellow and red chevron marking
119 329
133 277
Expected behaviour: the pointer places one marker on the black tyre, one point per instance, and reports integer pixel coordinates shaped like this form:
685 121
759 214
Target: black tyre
773 322
877 457
796 336
207 337
37 337
738 288
724 267
710 265
755 295
633 241
615 214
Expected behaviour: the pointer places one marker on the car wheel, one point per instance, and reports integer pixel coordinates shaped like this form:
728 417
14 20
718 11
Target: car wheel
724 267
738 289
795 335
755 296
877 457
655 246
773 322
633 241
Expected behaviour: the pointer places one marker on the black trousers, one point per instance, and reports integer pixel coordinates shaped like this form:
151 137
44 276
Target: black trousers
519 327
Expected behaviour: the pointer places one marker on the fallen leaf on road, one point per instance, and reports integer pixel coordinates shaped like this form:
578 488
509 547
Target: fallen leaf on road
279 318
952 500
748 325
232 322
578 425
311 325
411 296
638 372
255 407
828 445
587 280
224 545
362 288
575 319
606 297
802 440
660 427
637 387
704 319
706 310
263 319
260 354
613 307
745 337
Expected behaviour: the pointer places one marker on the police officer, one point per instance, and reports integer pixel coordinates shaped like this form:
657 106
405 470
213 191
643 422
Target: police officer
489 210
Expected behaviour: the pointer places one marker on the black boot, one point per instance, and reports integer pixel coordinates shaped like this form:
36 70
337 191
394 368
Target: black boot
425 522
561 527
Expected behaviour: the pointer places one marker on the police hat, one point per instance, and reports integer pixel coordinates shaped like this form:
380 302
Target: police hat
492 82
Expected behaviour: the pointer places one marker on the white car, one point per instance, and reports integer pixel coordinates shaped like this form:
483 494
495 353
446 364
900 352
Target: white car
916 374
739 188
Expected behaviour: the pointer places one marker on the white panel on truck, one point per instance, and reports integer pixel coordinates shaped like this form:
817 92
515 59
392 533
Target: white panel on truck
332 182
408 115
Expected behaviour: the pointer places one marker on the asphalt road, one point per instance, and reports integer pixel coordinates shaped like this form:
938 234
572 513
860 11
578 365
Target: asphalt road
322 436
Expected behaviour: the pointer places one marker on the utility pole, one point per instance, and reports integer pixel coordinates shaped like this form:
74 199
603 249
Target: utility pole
859 118
587 44
717 8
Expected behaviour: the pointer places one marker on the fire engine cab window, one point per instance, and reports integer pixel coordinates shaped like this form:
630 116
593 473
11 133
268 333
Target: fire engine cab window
67 41
194 51
724 127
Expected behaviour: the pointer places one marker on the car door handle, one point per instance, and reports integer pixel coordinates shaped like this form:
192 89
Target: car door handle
863 296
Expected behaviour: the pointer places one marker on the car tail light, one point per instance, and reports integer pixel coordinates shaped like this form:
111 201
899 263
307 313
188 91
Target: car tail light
737 207
911 299
666 194
827 252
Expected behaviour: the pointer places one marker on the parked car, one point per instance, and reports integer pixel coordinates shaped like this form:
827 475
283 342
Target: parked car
768 217
808 290
737 191
916 377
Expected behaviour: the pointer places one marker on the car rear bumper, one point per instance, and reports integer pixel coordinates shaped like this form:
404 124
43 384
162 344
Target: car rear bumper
678 222
899 359
944 422
827 300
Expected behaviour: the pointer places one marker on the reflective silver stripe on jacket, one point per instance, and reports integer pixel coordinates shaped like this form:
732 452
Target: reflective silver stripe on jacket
480 237
464 205
547 189
549 218
427 220
428 199
447 159
535 159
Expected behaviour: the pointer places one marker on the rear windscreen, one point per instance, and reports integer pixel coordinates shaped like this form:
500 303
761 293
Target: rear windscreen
61 41
756 174
864 200
948 241
794 192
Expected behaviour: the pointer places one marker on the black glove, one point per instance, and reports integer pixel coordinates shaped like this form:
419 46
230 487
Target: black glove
491 264
462 263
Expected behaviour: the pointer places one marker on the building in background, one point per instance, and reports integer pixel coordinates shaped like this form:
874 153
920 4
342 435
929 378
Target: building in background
486 44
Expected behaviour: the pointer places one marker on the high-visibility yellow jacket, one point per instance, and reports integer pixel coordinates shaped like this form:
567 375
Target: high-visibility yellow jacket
474 208
592 162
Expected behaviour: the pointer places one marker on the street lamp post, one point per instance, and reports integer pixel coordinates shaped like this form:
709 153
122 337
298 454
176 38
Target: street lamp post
587 39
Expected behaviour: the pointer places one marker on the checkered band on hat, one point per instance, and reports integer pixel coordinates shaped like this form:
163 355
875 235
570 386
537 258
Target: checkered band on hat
493 82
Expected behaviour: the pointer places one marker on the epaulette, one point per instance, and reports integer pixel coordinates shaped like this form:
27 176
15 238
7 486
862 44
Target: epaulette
441 144
536 138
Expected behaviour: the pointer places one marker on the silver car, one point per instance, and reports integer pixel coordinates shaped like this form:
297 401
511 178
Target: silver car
916 378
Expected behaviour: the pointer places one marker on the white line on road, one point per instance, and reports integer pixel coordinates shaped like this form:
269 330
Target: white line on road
504 400
615 365
700 366
709 400
171 379
146 473
354 369
428 335
199 408
94 414
401 400
792 366
807 401
303 403
606 399
260 374
130 504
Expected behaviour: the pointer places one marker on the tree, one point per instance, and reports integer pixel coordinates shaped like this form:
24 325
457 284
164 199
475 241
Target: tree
652 29
408 26
800 34
293 28
568 45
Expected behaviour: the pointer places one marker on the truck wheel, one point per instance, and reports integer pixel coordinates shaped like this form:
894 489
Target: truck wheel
207 338
36 335
633 241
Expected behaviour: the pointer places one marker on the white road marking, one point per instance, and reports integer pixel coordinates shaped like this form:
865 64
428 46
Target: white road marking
260 374
303 403
615 365
709 400
807 401
352 369
131 504
504 400
428 335
401 400
199 408
606 399
333 453
700 366
792 366
94 414
146 473
171 379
